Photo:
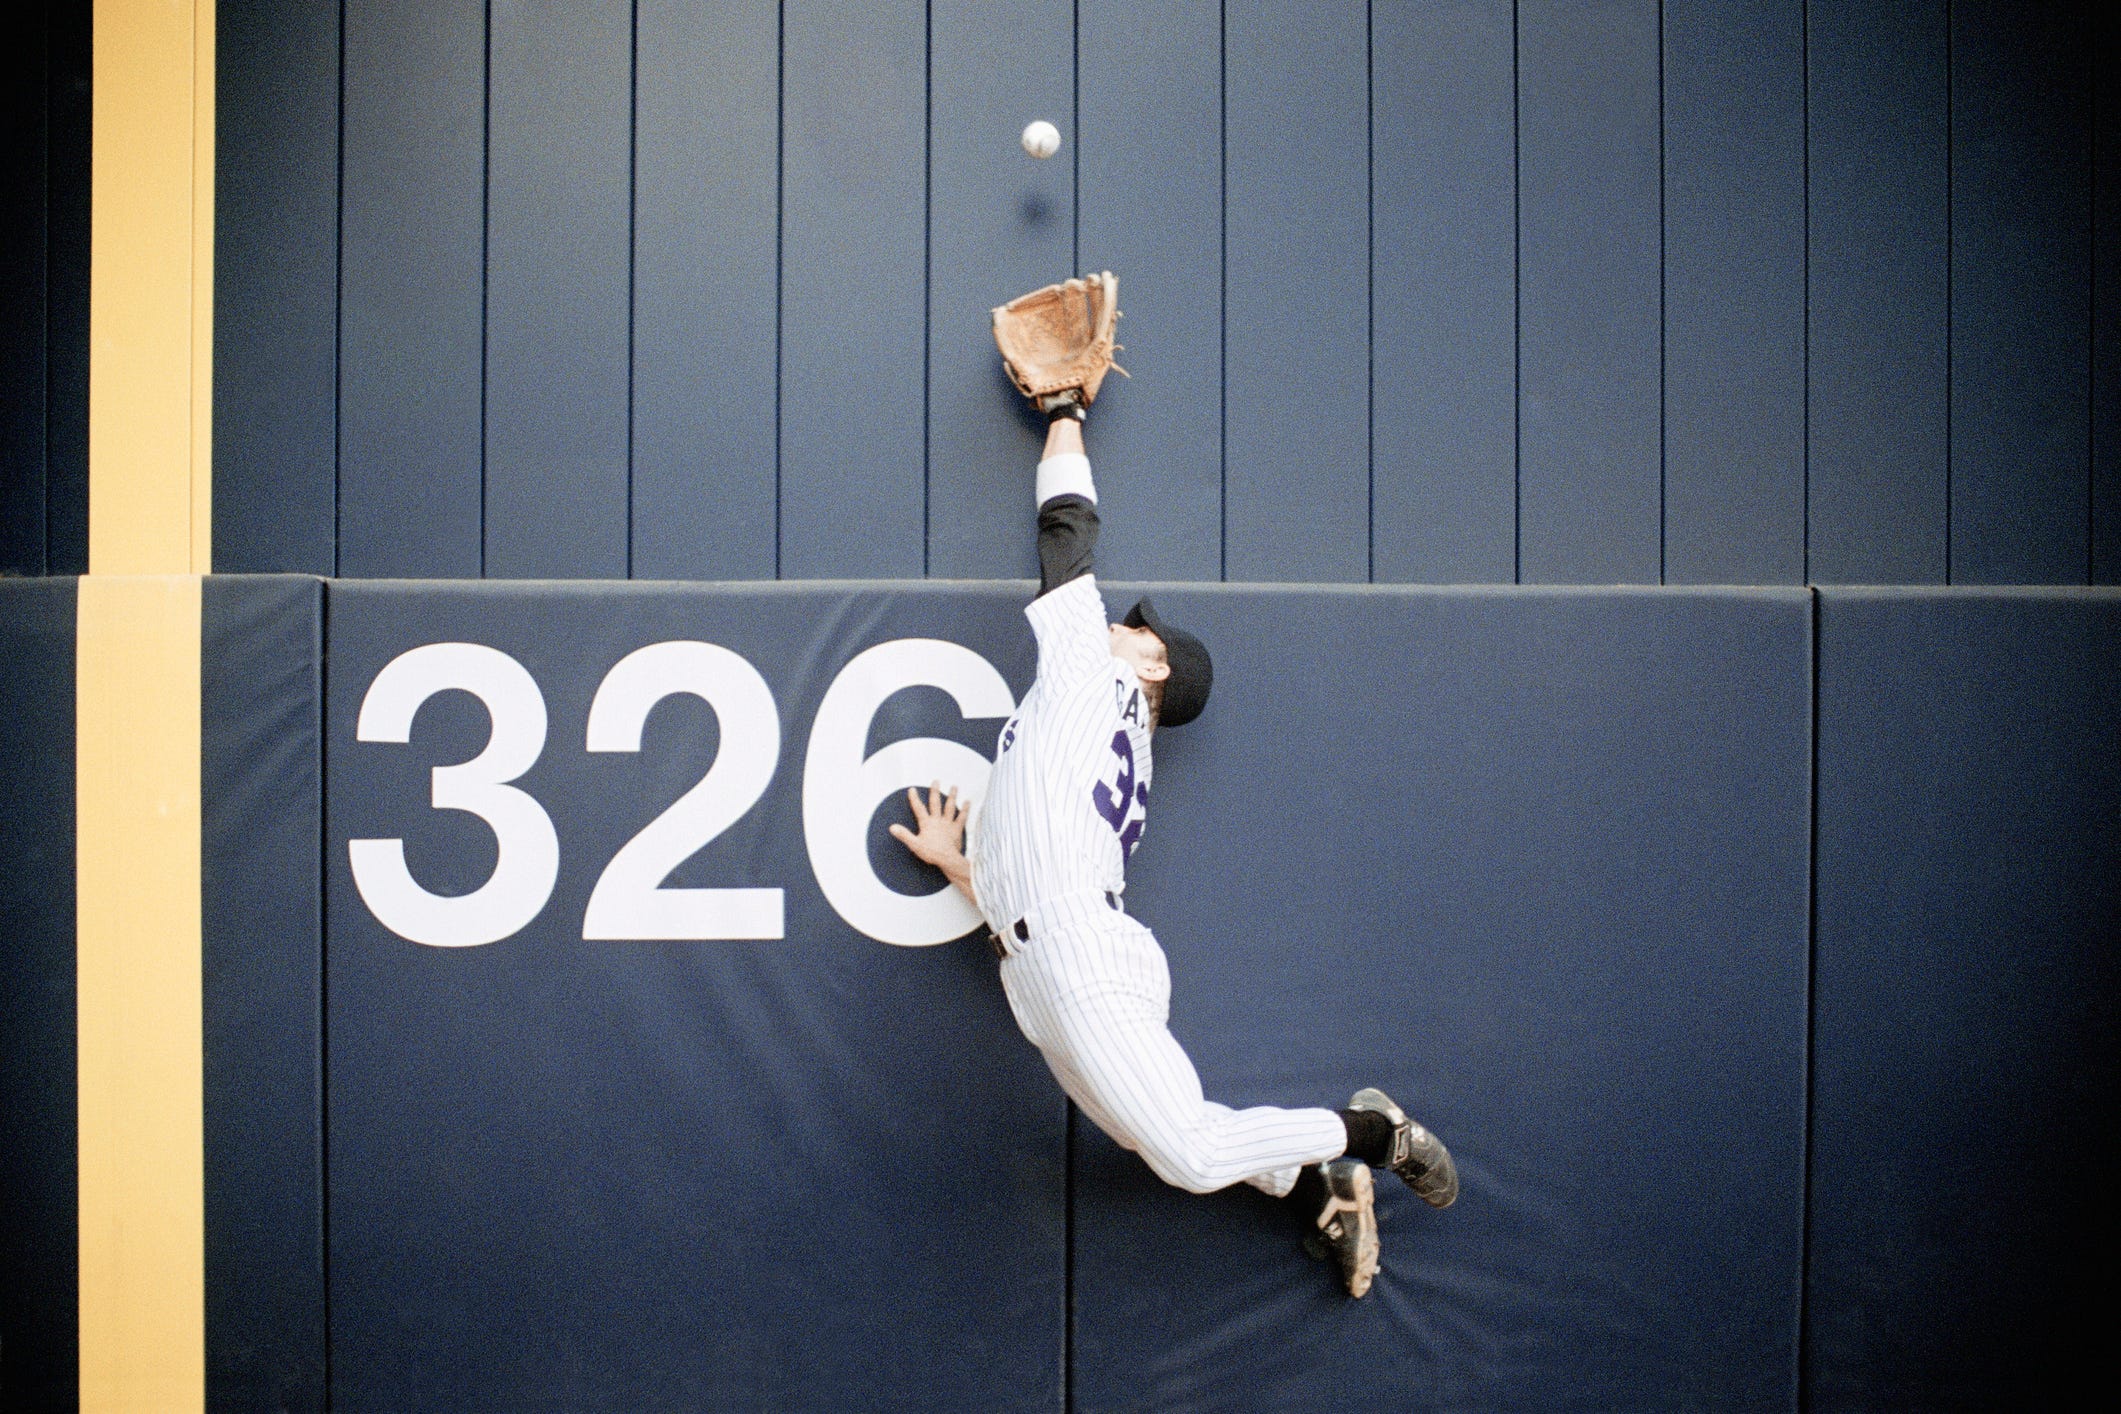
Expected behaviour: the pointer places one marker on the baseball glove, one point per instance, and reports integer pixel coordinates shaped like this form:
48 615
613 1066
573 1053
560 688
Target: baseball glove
1058 340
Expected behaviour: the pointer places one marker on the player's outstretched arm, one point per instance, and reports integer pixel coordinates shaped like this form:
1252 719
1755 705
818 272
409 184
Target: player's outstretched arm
940 838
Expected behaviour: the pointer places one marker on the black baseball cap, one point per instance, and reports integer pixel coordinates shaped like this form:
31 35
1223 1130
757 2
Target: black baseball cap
1192 673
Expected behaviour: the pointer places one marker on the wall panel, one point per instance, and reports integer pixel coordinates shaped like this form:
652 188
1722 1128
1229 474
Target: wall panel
705 292
24 109
558 290
1878 289
1565 293
1557 909
999 223
1149 158
2106 305
2021 276
66 291
1297 290
276 289
262 955
854 126
1589 304
798 1172
40 1219
1734 292
412 290
1443 410
1968 994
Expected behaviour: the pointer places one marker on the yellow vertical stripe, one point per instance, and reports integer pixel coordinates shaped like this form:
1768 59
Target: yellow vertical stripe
202 288
142 1107
151 287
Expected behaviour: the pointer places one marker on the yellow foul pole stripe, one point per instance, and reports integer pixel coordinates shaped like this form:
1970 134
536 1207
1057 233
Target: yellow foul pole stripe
151 287
202 288
141 1084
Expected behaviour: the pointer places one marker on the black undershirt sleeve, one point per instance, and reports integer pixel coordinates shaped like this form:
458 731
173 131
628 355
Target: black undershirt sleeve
1067 541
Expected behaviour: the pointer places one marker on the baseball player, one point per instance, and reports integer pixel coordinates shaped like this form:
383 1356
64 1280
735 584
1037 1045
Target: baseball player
1065 808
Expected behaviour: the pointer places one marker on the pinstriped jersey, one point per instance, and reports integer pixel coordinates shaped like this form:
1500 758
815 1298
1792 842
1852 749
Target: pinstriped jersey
1069 794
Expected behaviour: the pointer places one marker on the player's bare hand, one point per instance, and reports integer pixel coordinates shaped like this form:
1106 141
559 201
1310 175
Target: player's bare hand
939 834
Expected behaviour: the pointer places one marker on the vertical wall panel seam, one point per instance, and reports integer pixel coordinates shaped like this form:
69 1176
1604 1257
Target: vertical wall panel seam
485 250
1075 137
1516 297
780 229
44 540
1068 1113
633 218
323 639
1664 277
1811 1025
1804 12
2091 314
1951 120
1369 120
927 273
1222 330
338 306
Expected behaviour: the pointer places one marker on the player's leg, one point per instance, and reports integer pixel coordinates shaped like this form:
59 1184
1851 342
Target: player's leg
1115 1056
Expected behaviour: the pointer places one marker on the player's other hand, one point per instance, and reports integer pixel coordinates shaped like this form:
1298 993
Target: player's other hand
939 820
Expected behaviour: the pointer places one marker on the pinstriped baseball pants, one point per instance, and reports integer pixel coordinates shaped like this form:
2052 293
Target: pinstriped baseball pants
1095 998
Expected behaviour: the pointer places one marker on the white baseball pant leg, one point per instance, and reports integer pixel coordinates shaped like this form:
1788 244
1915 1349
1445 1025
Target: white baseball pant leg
1096 1001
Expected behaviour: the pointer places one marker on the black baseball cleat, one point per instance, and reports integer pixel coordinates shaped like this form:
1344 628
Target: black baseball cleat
1418 1156
1347 1223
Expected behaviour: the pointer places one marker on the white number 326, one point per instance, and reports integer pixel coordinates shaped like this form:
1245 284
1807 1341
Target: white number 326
841 791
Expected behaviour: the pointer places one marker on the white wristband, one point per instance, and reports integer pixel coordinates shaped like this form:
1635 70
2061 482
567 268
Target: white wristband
1066 475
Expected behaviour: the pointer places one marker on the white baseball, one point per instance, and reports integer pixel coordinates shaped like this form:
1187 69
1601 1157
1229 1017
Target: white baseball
1041 139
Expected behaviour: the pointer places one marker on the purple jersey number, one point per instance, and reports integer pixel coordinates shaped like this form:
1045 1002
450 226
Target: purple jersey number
1115 802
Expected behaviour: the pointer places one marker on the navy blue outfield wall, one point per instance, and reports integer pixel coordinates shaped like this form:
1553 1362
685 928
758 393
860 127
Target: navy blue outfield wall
1536 864
44 109
1752 947
1536 861
1968 999
39 1227
1713 291
603 1146
261 777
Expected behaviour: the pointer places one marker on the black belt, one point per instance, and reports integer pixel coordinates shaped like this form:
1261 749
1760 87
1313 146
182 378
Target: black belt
1022 928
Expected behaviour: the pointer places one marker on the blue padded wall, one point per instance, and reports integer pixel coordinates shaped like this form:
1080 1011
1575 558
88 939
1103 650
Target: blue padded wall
44 62
261 787
1536 864
1968 997
808 1173
39 1196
